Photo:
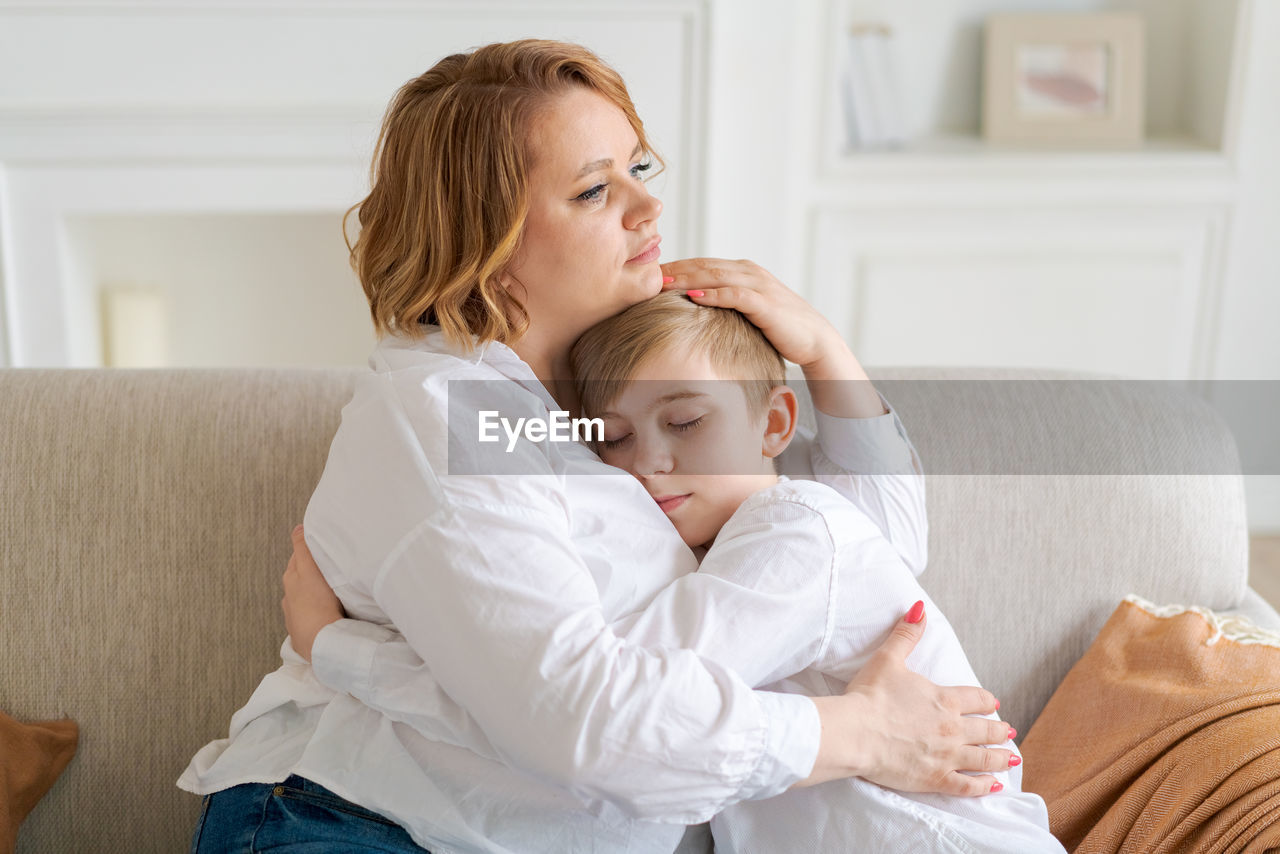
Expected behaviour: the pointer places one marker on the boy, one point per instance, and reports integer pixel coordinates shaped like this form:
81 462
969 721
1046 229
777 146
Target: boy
694 405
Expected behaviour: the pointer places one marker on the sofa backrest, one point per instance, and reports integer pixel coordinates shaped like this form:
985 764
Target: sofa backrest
145 519
144 527
1052 496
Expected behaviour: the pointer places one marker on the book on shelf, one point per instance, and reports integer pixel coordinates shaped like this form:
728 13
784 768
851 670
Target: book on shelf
869 88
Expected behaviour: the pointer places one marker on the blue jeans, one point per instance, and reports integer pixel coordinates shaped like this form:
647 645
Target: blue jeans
293 817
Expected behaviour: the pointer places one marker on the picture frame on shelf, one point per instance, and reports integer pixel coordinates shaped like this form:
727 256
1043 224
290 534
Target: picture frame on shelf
1073 80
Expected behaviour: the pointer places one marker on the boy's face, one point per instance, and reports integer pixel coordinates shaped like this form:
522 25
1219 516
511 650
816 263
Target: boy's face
692 439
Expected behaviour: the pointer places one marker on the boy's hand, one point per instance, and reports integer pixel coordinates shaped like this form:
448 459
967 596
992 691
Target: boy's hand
309 603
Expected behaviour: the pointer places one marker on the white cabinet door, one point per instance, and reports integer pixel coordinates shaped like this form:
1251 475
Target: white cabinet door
1121 291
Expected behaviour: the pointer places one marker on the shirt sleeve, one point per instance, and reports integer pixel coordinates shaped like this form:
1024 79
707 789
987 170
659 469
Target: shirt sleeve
510 629
872 463
762 605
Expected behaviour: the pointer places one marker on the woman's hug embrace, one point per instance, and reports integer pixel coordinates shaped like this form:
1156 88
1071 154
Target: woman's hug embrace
700 613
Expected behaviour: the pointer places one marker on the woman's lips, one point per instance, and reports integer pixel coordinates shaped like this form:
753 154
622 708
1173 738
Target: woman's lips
649 255
670 502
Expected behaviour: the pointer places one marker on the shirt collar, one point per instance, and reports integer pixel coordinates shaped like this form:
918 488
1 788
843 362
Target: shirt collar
493 354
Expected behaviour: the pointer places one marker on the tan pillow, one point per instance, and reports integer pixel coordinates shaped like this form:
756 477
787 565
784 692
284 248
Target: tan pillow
31 758
1164 736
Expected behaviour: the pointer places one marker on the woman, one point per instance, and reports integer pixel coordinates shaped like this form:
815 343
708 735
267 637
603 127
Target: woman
507 215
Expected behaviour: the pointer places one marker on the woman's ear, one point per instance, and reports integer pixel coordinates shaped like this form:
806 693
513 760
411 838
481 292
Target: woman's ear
780 425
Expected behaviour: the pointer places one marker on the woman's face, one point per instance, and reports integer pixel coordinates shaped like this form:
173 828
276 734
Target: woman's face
590 243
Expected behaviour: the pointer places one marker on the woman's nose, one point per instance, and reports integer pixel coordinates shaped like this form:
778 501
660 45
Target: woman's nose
644 207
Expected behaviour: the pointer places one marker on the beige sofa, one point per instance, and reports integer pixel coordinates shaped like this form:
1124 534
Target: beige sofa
145 518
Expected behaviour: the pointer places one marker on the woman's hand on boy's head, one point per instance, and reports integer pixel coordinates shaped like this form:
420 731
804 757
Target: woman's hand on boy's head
837 383
794 327
309 603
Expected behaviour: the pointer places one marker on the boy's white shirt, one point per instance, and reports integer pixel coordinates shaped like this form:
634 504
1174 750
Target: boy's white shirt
596 548
815 589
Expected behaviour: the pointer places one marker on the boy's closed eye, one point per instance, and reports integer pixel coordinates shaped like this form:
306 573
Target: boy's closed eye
619 437
613 444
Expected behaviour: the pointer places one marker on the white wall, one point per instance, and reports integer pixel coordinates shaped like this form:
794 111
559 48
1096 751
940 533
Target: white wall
1195 266
265 289
1250 349
127 114
151 108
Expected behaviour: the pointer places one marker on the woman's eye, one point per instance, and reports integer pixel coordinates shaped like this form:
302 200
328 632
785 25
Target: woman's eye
687 425
638 169
592 195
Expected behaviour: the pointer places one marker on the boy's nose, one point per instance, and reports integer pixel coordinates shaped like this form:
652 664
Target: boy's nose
653 457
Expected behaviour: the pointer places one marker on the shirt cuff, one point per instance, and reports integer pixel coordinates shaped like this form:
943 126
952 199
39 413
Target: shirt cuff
342 654
876 445
792 736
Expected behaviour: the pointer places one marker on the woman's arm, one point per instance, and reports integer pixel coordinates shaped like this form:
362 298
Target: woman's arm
875 730
508 622
861 450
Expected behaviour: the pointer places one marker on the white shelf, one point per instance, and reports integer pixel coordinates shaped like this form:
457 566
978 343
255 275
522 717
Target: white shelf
968 146
1192 54
945 170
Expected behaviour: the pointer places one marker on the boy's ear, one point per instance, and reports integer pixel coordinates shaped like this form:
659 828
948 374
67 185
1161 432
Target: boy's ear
780 426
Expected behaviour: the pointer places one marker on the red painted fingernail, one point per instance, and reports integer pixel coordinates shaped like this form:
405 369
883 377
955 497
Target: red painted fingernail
996 787
916 612
666 280
1014 761
997 705
1013 733
696 294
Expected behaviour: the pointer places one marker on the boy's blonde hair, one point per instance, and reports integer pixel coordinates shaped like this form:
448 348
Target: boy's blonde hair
450 186
607 355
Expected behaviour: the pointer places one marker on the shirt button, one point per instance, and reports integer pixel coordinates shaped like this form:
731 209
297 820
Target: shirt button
278 791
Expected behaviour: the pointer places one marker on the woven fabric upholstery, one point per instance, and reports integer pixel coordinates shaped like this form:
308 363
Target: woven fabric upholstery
144 526
1028 567
145 518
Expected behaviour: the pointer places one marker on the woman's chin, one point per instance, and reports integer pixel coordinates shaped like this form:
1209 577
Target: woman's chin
643 288
650 287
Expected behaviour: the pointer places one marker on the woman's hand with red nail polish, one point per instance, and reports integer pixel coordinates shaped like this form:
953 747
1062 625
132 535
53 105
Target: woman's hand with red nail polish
837 383
898 729
801 334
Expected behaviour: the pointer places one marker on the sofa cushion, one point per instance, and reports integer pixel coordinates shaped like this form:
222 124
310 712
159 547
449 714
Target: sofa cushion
32 755
1164 736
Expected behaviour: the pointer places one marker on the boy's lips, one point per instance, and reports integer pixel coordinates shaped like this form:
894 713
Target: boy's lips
671 502
650 252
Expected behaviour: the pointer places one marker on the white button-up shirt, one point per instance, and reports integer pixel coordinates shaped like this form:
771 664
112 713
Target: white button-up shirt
804 590
506 584
798 591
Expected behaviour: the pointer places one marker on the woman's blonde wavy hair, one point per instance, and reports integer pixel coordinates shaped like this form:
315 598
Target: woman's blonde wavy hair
449 184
